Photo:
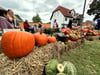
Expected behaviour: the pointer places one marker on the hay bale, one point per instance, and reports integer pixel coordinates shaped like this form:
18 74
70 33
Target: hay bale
31 64
0 45
34 62
92 38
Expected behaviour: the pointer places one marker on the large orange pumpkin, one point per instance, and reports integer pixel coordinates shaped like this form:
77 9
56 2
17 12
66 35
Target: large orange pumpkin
17 44
40 38
51 39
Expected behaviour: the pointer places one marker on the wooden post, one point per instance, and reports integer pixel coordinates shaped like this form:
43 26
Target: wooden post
83 19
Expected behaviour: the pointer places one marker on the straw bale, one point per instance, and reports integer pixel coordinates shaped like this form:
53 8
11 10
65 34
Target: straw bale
92 38
34 62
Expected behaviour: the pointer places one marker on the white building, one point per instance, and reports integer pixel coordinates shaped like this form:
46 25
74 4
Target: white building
62 16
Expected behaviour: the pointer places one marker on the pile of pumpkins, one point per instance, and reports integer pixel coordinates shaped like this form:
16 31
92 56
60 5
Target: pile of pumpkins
18 43
73 34
93 32
90 32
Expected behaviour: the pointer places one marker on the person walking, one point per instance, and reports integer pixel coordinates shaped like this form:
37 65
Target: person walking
26 26
70 24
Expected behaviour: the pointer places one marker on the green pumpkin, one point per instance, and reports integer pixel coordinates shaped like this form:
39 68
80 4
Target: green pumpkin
51 67
61 74
69 68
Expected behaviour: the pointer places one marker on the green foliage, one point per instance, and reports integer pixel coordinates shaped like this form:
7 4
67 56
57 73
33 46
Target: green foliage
51 67
36 19
95 9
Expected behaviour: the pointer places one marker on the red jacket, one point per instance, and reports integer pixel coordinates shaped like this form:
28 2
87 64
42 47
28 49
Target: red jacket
26 27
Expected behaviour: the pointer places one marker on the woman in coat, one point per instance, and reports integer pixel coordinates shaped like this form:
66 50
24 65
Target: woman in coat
4 24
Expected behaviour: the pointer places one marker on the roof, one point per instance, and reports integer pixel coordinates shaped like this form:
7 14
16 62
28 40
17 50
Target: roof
63 10
44 25
89 22
19 19
1 8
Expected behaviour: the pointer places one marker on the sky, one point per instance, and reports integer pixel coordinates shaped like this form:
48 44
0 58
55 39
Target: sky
26 9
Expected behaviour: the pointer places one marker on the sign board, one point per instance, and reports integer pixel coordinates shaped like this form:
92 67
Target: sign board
5 30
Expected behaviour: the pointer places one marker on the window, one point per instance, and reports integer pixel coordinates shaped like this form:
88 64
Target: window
69 12
65 18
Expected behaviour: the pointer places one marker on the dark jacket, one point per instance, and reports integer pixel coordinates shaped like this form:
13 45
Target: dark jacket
70 24
26 26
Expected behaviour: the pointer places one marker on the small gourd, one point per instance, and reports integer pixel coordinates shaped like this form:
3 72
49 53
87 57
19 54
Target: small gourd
51 39
40 38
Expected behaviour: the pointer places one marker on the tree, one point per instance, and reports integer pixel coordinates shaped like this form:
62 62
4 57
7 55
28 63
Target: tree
94 9
48 22
36 19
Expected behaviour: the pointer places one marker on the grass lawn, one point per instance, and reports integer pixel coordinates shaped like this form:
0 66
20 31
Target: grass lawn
86 58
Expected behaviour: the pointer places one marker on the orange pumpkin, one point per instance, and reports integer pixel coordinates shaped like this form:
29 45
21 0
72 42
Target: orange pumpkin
41 39
51 39
17 44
